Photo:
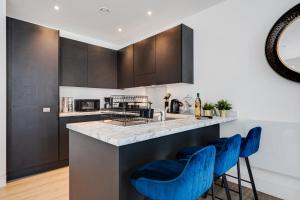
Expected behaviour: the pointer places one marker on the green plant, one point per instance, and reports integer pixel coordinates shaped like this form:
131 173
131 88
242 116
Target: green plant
223 105
208 106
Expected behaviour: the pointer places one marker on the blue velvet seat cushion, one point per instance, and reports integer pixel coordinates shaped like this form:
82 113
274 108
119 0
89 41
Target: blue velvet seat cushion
176 179
226 156
249 144
185 154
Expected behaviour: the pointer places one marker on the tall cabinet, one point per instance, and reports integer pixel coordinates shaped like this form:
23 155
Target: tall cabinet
32 98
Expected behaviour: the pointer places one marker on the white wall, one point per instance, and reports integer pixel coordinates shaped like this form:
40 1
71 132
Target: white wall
156 95
2 92
230 63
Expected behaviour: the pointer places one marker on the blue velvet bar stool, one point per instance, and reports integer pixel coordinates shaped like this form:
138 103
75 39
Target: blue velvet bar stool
227 157
177 179
249 146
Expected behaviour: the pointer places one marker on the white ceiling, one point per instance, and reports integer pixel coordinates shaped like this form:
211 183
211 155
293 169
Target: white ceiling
82 16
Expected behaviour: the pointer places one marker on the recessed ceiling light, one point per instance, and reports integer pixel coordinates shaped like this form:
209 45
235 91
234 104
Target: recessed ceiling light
104 10
149 12
120 30
56 7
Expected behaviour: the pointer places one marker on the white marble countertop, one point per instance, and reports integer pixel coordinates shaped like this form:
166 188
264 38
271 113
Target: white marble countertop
124 135
73 114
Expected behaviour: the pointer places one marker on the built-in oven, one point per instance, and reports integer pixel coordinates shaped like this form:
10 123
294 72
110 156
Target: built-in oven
87 105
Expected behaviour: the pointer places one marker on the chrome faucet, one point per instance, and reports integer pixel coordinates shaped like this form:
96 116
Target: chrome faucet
162 114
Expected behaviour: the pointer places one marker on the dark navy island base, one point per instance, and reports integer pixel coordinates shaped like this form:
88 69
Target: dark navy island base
101 171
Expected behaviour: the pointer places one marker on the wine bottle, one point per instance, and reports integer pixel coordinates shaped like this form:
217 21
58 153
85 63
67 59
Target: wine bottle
198 107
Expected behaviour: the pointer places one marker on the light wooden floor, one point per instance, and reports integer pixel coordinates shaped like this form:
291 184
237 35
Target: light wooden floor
54 185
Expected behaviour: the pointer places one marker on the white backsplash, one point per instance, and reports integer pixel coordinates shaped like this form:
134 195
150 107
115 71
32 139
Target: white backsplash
96 93
156 95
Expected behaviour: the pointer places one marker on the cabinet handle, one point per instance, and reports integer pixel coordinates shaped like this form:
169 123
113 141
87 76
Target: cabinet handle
46 110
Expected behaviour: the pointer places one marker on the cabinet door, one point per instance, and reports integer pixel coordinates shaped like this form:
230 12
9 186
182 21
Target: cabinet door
125 67
32 66
187 71
64 132
102 67
73 63
144 62
168 56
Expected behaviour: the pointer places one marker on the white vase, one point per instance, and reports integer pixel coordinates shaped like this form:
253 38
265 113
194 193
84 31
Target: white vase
208 113
223 113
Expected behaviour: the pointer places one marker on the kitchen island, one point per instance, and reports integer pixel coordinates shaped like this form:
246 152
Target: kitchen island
103 156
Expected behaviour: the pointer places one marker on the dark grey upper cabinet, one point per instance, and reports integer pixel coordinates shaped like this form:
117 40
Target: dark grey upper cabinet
165 58
73 63
174 56
125 67
102 67
84 65
32 84
144 62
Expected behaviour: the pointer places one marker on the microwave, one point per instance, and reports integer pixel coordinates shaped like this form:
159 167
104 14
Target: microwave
87 105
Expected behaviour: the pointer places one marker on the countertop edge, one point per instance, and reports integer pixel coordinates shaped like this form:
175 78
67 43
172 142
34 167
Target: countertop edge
148 135
80 114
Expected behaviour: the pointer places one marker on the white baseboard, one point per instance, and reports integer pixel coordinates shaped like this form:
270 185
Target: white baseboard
2 181
277 185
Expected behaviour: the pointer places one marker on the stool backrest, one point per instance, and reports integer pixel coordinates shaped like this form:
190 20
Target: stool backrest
251 144
197 176
227 155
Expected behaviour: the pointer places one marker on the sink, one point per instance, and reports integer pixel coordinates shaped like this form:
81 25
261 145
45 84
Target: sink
171 118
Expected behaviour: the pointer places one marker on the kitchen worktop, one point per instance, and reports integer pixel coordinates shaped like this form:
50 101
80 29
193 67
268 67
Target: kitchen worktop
74 114
124 135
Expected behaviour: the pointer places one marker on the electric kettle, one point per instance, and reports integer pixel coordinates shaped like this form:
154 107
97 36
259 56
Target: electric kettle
175 106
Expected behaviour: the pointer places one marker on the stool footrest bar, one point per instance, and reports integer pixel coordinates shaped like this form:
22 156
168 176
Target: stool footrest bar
237 178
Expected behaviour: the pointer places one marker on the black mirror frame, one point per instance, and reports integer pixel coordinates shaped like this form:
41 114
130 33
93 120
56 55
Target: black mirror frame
272 41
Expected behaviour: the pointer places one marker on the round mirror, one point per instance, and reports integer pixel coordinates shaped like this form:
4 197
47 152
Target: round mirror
288 46
283 45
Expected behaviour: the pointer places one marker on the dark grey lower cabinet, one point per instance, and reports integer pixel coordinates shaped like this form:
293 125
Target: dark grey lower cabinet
64 132
32 98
